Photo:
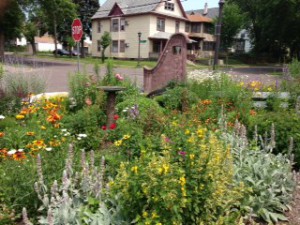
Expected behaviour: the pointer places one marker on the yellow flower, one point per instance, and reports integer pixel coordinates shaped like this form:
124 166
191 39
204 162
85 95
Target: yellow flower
158 223
134 169
187 132
241 84
118 143
269 89
20 117
182 181
30 133
192 156
166 168
126 136
43 128
145 214
200 133
191 139
154 215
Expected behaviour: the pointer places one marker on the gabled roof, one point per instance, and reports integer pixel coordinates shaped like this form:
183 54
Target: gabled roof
211 12
129 7
199 18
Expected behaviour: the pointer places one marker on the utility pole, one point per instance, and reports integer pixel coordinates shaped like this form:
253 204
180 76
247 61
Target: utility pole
218 34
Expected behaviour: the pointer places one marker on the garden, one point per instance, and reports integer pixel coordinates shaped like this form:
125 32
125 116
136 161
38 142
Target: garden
199 153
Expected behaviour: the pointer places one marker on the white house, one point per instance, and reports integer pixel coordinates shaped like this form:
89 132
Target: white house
155 20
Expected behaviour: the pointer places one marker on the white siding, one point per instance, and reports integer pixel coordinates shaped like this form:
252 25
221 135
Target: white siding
177 11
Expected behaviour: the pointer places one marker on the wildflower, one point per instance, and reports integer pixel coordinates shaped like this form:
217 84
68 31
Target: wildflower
118 143
11 152
113 126
2 117
2 134
206 102
119 77
182 153
253 112
116 117
48 149
82 135
192 156
3 152
20 117
134 169
39 143
19 156
126 136
200 133
145 214
88 101
187 132
43 128
154 215
103 127
269 89
30 133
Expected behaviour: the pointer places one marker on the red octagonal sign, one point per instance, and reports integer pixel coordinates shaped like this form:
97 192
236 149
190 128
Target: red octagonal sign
77 30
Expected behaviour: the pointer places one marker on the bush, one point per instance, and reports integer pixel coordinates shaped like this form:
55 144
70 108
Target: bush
192 184
284 130
294 68
268 177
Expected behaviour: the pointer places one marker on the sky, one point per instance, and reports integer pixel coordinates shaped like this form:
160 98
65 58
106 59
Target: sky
198 4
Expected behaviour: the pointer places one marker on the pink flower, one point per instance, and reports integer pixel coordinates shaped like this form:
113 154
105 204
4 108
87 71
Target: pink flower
119 77
116 117
182 153
88 101
103 127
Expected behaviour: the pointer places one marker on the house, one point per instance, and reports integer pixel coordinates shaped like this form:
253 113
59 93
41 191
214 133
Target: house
242 42
155 20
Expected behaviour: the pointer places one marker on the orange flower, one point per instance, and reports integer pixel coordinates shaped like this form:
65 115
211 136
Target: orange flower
253 112
3 152
19 156
30 133
54 143
2 134
206 102
54 116
39 143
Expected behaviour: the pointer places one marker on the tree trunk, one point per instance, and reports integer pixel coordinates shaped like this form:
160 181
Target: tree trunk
1 45
103 55
4 4
33 46
82 52
55 37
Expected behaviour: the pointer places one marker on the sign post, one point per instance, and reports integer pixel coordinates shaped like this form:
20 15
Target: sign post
77 32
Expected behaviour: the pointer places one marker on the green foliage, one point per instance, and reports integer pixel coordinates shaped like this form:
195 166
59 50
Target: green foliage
284 130
105 42
165 186
268 177
177 98
294 68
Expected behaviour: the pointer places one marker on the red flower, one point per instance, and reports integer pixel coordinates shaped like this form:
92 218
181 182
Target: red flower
103 127
113 126
116 117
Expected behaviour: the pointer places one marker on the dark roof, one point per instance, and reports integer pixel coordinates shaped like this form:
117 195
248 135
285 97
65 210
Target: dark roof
128 7
212 12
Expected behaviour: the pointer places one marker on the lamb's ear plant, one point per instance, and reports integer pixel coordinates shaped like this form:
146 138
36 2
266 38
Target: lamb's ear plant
79 198
268 176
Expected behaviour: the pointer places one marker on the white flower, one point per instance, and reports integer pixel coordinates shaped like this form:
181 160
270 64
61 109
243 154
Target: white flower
79 138
82 135
20 150
48 149
63 130
11 152
67 134
2 117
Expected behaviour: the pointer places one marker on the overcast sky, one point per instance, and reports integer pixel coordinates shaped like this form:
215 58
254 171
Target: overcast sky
198 4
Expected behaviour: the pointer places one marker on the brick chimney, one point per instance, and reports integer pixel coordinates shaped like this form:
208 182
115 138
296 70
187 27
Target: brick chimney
205 10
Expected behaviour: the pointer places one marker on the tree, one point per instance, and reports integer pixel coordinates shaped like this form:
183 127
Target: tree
59 15
86 9
273 25
233 22
11 22
105 42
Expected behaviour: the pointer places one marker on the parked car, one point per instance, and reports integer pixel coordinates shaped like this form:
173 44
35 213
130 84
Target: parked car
61 52
75 53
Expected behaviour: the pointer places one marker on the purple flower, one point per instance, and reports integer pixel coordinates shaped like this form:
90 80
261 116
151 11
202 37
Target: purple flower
182 153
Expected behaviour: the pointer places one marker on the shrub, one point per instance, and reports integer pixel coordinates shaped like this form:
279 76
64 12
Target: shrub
268 177
284 130
294 68
191 184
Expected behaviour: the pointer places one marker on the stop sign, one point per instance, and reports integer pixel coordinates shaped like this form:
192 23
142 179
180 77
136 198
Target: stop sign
77 30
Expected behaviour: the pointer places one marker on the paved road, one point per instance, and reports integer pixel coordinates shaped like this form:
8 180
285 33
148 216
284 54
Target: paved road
56 72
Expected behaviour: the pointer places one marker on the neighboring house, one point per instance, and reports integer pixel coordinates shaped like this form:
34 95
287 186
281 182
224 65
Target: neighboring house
156 20
242 41
45 43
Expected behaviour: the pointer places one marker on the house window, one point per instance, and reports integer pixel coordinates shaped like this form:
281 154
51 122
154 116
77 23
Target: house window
99 46
187 27
122 24
177 26
208 29
122 45
115 46
208 46
169 6
176 50
160 24
196 28
115 25
99 26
